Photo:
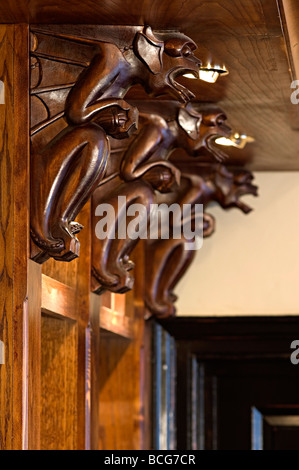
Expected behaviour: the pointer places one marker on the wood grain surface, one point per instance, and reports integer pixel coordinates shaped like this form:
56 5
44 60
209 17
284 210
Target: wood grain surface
14 144
59 383
6 235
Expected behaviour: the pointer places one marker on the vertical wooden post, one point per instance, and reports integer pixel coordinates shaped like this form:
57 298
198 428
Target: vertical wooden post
20 226
14 228
33 346
291 13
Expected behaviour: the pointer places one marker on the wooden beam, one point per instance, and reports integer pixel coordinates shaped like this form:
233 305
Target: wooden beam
291 14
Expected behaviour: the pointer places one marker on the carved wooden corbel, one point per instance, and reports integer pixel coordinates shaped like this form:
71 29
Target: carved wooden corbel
143 170
80 75
168 260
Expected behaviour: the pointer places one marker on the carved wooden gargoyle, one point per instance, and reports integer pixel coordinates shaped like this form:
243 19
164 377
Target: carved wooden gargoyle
80 75
144 169
167 260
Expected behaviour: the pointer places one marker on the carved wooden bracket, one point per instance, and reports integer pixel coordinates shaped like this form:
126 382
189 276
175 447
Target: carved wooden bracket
142 171
168 260
79 77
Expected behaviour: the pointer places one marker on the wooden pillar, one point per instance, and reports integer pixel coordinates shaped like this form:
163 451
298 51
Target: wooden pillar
291 14
14 231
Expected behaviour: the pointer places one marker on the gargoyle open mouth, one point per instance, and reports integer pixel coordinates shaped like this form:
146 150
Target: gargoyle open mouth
215 151
182 92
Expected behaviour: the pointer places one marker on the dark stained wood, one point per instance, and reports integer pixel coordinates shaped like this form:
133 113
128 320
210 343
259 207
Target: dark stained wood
217 328
13 233
142 171
21 225
69 143
243 362
6 236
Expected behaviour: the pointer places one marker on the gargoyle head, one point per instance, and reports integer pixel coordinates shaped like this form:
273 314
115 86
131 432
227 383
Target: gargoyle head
203 125
231 186
166 55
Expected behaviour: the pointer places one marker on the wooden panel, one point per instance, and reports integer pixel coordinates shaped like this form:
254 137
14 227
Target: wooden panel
113 314
58 298
58 384
65 296
113 322
21 232
13 229
6 235
119 401
65 273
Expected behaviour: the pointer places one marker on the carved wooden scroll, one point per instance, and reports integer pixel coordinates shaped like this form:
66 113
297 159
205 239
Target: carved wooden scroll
167 260
79 77
143 171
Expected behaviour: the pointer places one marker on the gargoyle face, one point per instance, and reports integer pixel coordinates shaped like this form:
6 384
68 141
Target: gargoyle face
231 186
213 126
202 126
167 56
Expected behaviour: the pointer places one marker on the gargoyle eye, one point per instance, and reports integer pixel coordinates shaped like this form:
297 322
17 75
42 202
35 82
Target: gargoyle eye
220 119
175 47
186 51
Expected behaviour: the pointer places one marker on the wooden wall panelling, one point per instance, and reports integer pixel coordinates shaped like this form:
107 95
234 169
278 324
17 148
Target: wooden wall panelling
123 403
6 235
113 315
66 355
14 154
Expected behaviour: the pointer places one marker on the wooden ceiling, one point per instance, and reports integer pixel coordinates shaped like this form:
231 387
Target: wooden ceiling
250 37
